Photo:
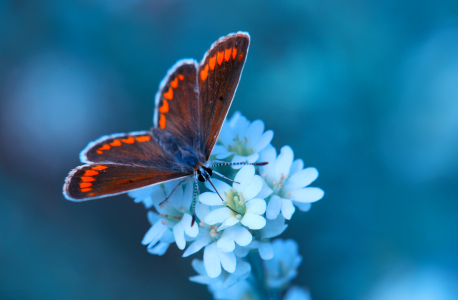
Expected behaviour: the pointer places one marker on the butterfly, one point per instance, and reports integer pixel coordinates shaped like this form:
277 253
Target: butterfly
190 107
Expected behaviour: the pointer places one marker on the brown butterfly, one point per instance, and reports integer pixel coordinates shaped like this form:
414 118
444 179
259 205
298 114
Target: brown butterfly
191 106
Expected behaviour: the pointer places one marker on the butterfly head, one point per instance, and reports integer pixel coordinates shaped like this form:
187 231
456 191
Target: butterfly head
203 173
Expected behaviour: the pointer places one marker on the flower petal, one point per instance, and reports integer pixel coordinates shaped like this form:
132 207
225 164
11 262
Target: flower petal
287 209
256 206
303 206
201 242
186 223
159 249
243 176
273 207
284 161
218 216
253 221
265 192
266 251
212 261
269 154
202 210
178 233
228 261
301 179
218 149
210 198
241 251
308 194
239 234
254 132
274 228
221 186
253 187
188 195
297 165
228 223
224 155
225 244
153 235
263 141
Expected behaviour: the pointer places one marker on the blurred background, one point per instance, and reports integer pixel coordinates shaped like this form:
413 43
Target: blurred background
366 91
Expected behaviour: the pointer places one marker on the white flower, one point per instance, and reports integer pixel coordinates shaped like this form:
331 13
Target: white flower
241 290
243 140
219 245
225 280
240 204
174 217
282 268
287 182
297 293
272 229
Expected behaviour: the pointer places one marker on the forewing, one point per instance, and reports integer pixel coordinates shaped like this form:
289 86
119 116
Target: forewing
176 108
140 148
102 180
218 78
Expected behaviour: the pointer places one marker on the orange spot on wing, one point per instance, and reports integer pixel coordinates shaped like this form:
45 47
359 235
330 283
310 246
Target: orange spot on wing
105 147
169 94
143 138
99 152
85 185
87 179
220 57
87 190
212 62
116 143
129 140
234 52
90 173
227 54
162 121
181 77
174 83
240 57
165 107
99 168
204 73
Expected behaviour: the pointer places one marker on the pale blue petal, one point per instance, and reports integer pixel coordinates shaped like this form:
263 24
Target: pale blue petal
243 176
178 233
297 165
253 221
212 261
266 250
228 261
218 216
197 245
225 244
228 223
303 206
239 234
202 210
186 223
263 141
301 179
265 191
153 235
256 206
273 207
224 155
159 249
284 161
188 195
269 154
210 198
221 186
218 148
254 132
287 209
274 228
252 188
307 195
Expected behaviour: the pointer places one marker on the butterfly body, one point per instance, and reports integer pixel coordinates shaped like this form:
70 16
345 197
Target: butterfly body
190 107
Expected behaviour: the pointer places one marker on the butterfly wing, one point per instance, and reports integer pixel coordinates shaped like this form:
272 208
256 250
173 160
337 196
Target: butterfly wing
105 179
218 78
176 103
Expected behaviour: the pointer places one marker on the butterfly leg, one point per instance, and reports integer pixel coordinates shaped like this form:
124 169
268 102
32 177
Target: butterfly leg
194 200
225 163
167 199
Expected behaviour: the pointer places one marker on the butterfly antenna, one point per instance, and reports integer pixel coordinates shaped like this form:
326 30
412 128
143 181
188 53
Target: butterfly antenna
225 163
222 176
167 198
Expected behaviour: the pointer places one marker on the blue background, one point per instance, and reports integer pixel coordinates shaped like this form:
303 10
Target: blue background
366 91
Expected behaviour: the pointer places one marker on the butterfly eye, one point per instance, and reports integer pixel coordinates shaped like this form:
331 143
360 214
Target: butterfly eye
201 178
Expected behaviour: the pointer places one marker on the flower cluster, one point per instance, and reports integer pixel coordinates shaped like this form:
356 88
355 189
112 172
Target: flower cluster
239 255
